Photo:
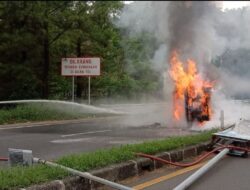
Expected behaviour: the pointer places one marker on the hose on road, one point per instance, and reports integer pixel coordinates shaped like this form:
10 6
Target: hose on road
196 161
3 159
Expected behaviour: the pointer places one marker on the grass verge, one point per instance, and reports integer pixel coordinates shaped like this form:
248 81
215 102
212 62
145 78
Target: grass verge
25 176
42 112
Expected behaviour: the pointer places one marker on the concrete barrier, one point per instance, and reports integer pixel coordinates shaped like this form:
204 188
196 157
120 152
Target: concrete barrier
119 172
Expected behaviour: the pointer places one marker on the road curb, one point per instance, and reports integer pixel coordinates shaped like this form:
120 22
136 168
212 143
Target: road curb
122 171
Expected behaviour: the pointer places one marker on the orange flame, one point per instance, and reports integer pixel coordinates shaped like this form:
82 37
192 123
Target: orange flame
189 88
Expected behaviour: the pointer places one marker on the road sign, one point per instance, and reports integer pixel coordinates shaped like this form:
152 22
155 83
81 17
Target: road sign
81 66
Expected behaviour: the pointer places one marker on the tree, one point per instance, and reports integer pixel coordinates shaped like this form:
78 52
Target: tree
36 35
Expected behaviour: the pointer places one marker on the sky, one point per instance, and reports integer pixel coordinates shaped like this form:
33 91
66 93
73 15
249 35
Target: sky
225 5
234 4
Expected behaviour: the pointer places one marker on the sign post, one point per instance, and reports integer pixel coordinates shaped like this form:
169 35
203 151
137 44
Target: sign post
73 88
89 90
81 66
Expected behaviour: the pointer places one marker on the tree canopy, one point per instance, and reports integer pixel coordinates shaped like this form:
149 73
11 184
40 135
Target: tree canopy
35 35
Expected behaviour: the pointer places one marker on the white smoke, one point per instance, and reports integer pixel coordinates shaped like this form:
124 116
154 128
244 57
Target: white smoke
200 30
182 25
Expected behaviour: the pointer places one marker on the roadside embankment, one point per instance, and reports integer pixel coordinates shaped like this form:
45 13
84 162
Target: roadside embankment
114 164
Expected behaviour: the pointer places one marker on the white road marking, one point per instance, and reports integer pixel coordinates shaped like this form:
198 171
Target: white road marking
125 142
86 133
63 141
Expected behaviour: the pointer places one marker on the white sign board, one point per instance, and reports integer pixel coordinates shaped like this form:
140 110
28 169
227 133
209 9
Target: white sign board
81 66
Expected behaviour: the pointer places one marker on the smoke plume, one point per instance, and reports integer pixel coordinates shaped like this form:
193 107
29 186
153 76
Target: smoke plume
200 31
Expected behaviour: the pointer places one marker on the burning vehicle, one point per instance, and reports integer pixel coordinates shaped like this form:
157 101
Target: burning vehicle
192 93
196 109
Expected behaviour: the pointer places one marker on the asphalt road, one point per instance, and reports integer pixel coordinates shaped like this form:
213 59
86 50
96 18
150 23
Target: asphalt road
50 141
142 123
230 173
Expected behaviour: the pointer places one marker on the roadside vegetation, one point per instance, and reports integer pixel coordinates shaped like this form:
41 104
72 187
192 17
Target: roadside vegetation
42 112
25 176
36 35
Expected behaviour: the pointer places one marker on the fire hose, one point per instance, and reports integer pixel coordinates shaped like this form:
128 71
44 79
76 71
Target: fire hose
3 159
230 147
187 182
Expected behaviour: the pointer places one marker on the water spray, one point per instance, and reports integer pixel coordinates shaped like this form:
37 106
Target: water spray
93 108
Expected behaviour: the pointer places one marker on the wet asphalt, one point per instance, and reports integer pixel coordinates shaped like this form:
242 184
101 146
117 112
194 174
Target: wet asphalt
51 141
231 173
